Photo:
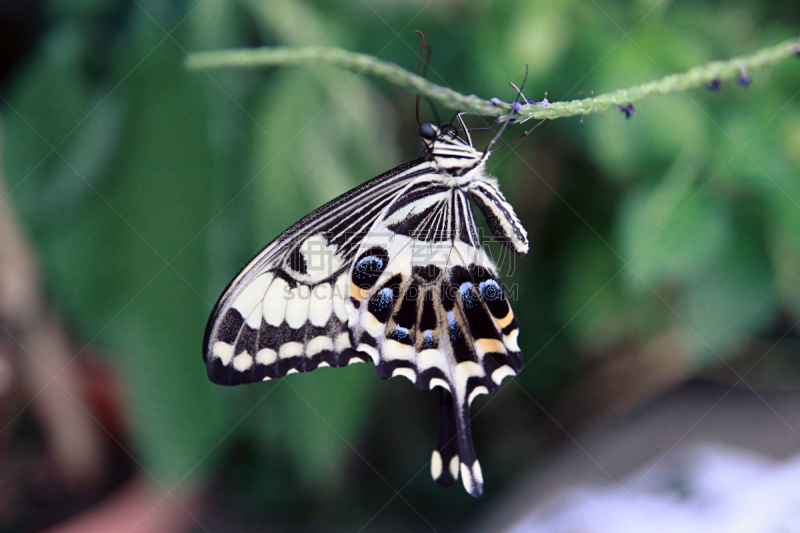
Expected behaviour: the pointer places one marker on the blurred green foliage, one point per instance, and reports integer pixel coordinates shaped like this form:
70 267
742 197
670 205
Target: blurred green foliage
146 188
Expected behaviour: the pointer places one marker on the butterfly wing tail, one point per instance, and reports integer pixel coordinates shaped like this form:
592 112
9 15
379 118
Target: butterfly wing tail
444 460
471 475
454 449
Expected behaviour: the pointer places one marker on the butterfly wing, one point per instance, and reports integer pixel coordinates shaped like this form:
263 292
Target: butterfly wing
426 302
285 312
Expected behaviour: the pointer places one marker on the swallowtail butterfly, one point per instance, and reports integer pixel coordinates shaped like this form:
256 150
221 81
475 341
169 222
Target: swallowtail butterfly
391 272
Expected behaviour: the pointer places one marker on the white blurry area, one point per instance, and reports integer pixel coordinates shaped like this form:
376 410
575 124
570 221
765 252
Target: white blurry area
705 458
709 489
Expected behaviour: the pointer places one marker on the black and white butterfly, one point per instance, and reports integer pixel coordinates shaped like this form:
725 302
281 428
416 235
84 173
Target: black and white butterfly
391 272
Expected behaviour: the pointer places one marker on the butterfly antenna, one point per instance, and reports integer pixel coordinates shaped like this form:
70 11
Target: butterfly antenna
510 118
426 47
435 112
419 69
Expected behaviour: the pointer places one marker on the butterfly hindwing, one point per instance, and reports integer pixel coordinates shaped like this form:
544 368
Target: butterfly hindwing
426 303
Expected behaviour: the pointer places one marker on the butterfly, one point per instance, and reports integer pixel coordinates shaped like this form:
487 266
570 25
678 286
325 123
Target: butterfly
391 272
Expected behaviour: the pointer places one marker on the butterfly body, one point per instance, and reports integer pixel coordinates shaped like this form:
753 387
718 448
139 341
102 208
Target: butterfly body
391 272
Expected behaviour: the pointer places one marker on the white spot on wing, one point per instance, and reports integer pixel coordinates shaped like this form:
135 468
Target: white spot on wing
266 356
501 373
275 302
480 389
477 472
340 294
321 307
439 382
318 344
431 358
297 306
436 464
292 371
463 372
466 477
393 351
369 350
405 372
484 346
243 362
322 364
224 351
454 466
321 259
342 342
290 349
510 341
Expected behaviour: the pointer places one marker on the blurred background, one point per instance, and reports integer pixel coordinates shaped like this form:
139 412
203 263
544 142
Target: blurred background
663 280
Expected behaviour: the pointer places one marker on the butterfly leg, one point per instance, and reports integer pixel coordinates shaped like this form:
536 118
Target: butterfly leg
444 461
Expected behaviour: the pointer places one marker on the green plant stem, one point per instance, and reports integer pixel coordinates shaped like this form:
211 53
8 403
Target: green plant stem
366 64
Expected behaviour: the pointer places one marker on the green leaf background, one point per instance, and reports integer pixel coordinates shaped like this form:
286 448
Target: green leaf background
146 187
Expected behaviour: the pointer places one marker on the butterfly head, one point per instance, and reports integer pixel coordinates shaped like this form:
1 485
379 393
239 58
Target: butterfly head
447 149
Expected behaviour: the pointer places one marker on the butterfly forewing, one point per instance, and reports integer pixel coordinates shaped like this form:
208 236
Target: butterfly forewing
284 312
